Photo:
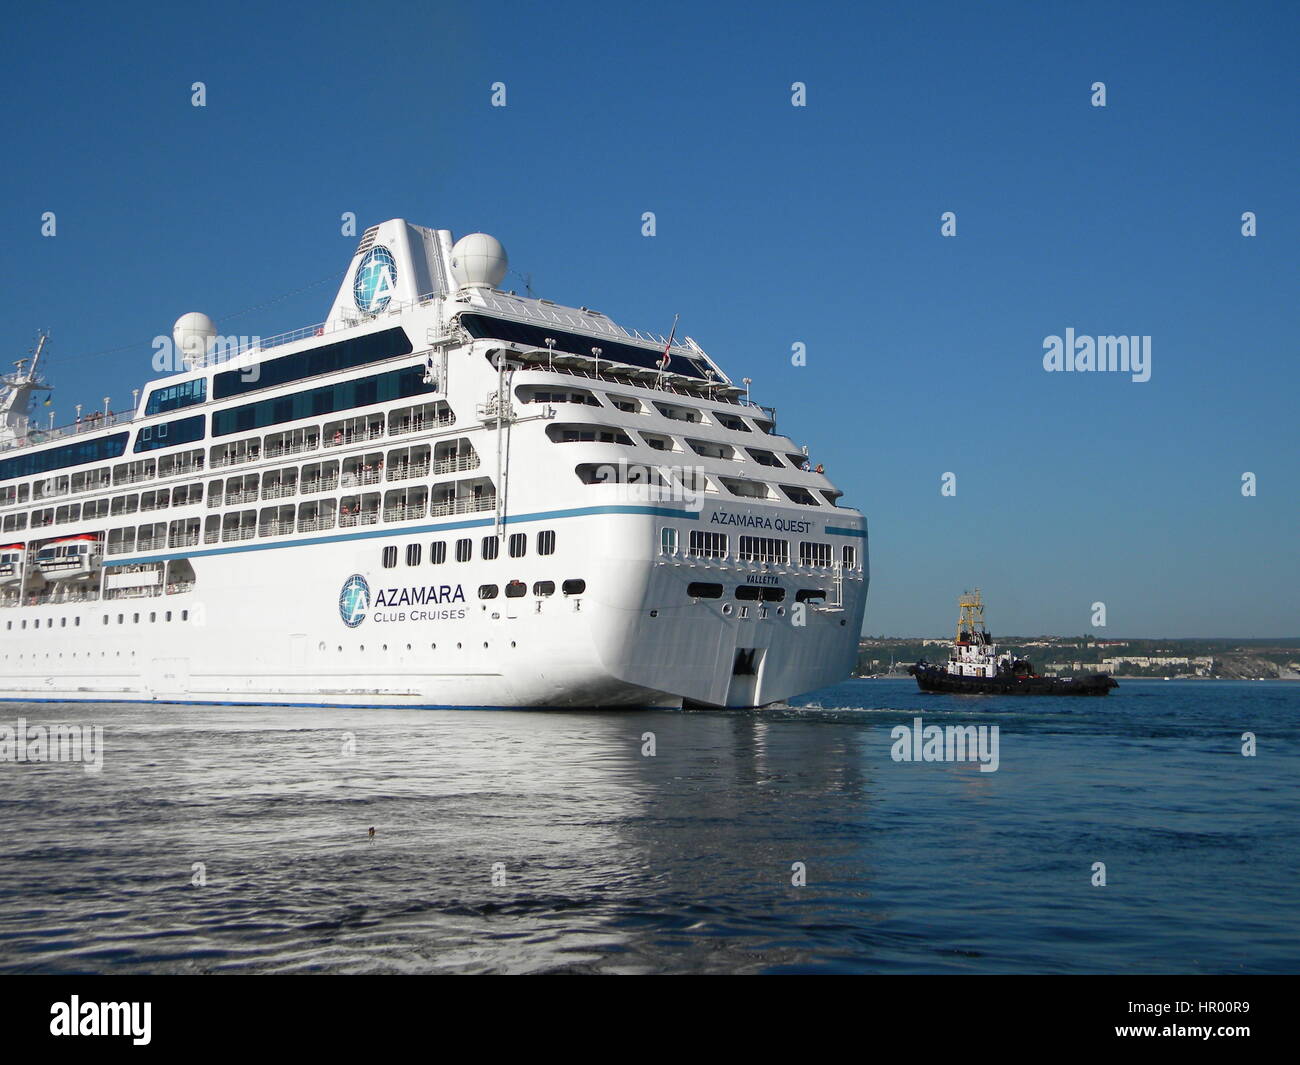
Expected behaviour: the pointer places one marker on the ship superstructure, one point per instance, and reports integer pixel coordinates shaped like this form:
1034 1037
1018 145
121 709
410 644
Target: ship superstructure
445 494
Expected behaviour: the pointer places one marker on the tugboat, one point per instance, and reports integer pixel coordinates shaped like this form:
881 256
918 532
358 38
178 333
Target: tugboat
976 668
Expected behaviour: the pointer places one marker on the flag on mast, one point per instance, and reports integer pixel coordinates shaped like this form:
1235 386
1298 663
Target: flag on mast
667 357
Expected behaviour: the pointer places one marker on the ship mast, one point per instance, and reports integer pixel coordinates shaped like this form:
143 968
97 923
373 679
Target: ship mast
16 391
970 617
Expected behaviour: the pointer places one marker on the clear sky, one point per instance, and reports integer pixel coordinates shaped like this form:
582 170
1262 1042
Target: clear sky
775 225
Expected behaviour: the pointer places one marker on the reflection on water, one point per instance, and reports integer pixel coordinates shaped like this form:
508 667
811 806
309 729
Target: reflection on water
615 862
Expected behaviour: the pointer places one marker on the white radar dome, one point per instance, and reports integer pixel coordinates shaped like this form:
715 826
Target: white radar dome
479 260
193 334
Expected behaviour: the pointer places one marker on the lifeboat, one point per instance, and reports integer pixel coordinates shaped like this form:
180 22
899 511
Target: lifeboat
69 558
11 564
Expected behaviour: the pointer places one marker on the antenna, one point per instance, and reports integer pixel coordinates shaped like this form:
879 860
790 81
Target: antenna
40 346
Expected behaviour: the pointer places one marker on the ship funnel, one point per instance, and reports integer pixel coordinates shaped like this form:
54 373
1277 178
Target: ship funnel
193 334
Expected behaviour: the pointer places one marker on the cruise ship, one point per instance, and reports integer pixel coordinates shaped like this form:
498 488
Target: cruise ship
443 495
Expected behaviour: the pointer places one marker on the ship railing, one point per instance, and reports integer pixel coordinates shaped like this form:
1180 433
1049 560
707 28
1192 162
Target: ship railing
246 532
369 517
62 596
183 540
98 421
316 524
280 450
279 491
349 437
596 325
466 505
133 478
407 470
318 484
404 513
180 587
353 480
419 425
135 591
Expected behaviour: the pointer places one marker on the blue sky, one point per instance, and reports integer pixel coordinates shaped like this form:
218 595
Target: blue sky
776 225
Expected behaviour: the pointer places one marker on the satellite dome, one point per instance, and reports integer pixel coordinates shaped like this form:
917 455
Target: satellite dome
193 334
478 260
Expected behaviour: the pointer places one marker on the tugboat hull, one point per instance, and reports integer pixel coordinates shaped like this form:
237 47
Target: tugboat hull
930 679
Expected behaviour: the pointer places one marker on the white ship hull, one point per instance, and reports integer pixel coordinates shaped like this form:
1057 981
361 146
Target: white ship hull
294 564
263 626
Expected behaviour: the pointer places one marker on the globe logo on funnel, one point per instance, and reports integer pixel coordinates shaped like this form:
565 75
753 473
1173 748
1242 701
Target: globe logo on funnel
354 600
375 280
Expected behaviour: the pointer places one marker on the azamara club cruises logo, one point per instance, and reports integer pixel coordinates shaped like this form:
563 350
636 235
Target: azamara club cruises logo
375 280
354 600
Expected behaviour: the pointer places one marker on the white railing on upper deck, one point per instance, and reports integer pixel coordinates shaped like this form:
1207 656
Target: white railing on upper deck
94 423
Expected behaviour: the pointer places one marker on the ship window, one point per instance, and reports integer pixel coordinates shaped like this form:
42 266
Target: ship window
749 592
546 542
174 397
487 591
574 587
799 495
168 434
57 458
516 589
330 358
544 588
704 590
491 546
413 552
810 595
668 540
730 421
390 557
438 553
464 549
518 545
364 392
483 326
813 554
764 549
707 544
773 595
765 458
850 557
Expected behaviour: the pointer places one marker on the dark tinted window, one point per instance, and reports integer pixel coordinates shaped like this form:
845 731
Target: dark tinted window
364 392
487 591
359 351
184 431
535 336
174 397
704 590
574 587
57 458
